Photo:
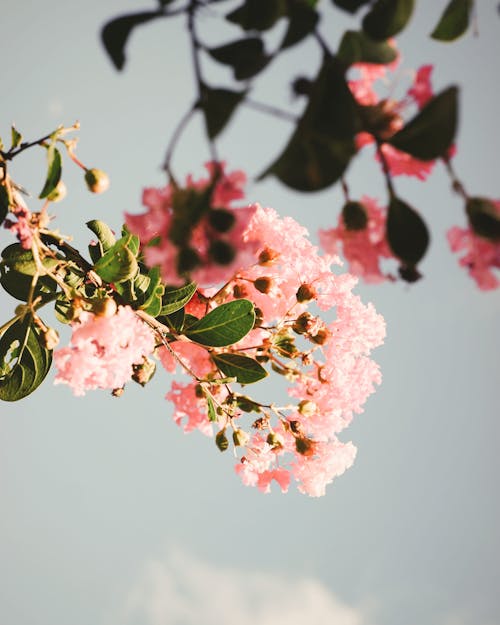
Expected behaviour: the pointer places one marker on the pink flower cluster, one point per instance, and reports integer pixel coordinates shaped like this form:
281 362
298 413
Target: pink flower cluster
387 113
480 256
103 350
21 228
326 362
154 228
363 249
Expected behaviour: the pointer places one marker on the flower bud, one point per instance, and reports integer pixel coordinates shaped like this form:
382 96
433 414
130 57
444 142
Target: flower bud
304 446
50 338
105 307
259 317
275 440
118 392
354 216
221 440
144 372
321 337
239 291
301 324
307 408
267 256
59 193
263 284
305 293
97 180
240 438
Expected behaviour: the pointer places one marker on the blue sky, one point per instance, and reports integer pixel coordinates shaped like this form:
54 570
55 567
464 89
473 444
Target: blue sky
111 515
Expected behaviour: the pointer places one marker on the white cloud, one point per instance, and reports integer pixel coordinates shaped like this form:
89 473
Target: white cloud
180 590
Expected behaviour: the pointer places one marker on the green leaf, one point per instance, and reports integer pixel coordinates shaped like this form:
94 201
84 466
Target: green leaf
431 132
54 169
407 233
212 415
21 260
103 233
350 5
4 202
257 14
24 362
175 320
176 298
246 56
454 21
225 325
387 18
17 137
356 47
484 218
18 285
302 22
218 106
154 293
246 370
115 34
118 264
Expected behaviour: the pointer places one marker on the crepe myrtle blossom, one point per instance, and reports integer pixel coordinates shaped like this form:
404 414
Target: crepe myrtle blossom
385 115
103 350
479 255
312 330
364 247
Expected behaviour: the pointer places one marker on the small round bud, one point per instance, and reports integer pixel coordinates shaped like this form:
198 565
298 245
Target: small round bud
259 316
143 372
221 252
301 324
239 291
354 216
267 256
50 338
240 438
263 284
221 219
275 440
118 392
307 408
302 86
198 391
305 293
105 307
321 337
304 446
97 180
221 440
59 193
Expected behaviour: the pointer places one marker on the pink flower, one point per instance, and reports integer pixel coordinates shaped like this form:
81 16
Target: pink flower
363 249
102 351
480 257
21 228
385 114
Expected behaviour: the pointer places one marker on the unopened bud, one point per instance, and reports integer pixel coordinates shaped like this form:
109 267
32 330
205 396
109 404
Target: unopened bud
221 440
275 440
267 256
354 216
50 338
409 273
307 408
239 291
104 307
321 337
301 324
118 392
259 316
198 391
143 372
304 446
305 293
240 438
59 193
263 284
97 180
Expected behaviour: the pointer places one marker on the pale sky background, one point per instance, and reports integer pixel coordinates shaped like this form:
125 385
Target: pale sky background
110 515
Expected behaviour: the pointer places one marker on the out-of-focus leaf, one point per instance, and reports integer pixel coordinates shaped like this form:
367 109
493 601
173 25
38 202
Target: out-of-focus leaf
257 14
302 20
350 5
484 218
407 233
218 105
387 18
454 21
356 47
246 56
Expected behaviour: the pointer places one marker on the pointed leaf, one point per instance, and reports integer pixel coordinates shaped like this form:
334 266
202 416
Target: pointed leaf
246 370
302 21
454 21
387 18
54 170
16 136
356 47
484 218
115 34
176 298
407 233
247 56
431 132
218 105
225 325
257 14
103 233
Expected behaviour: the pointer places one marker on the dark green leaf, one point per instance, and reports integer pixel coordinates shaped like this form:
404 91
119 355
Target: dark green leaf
21 260
154 293
118 264
356 47
218 105
4 202
350 5
302 21
454 21
103 233
24 362
247 56
387 18
17 137
484 218
176 298
246 370
431 132
115 33
18 285
225 325
175 320
54 170
257 14
407 233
